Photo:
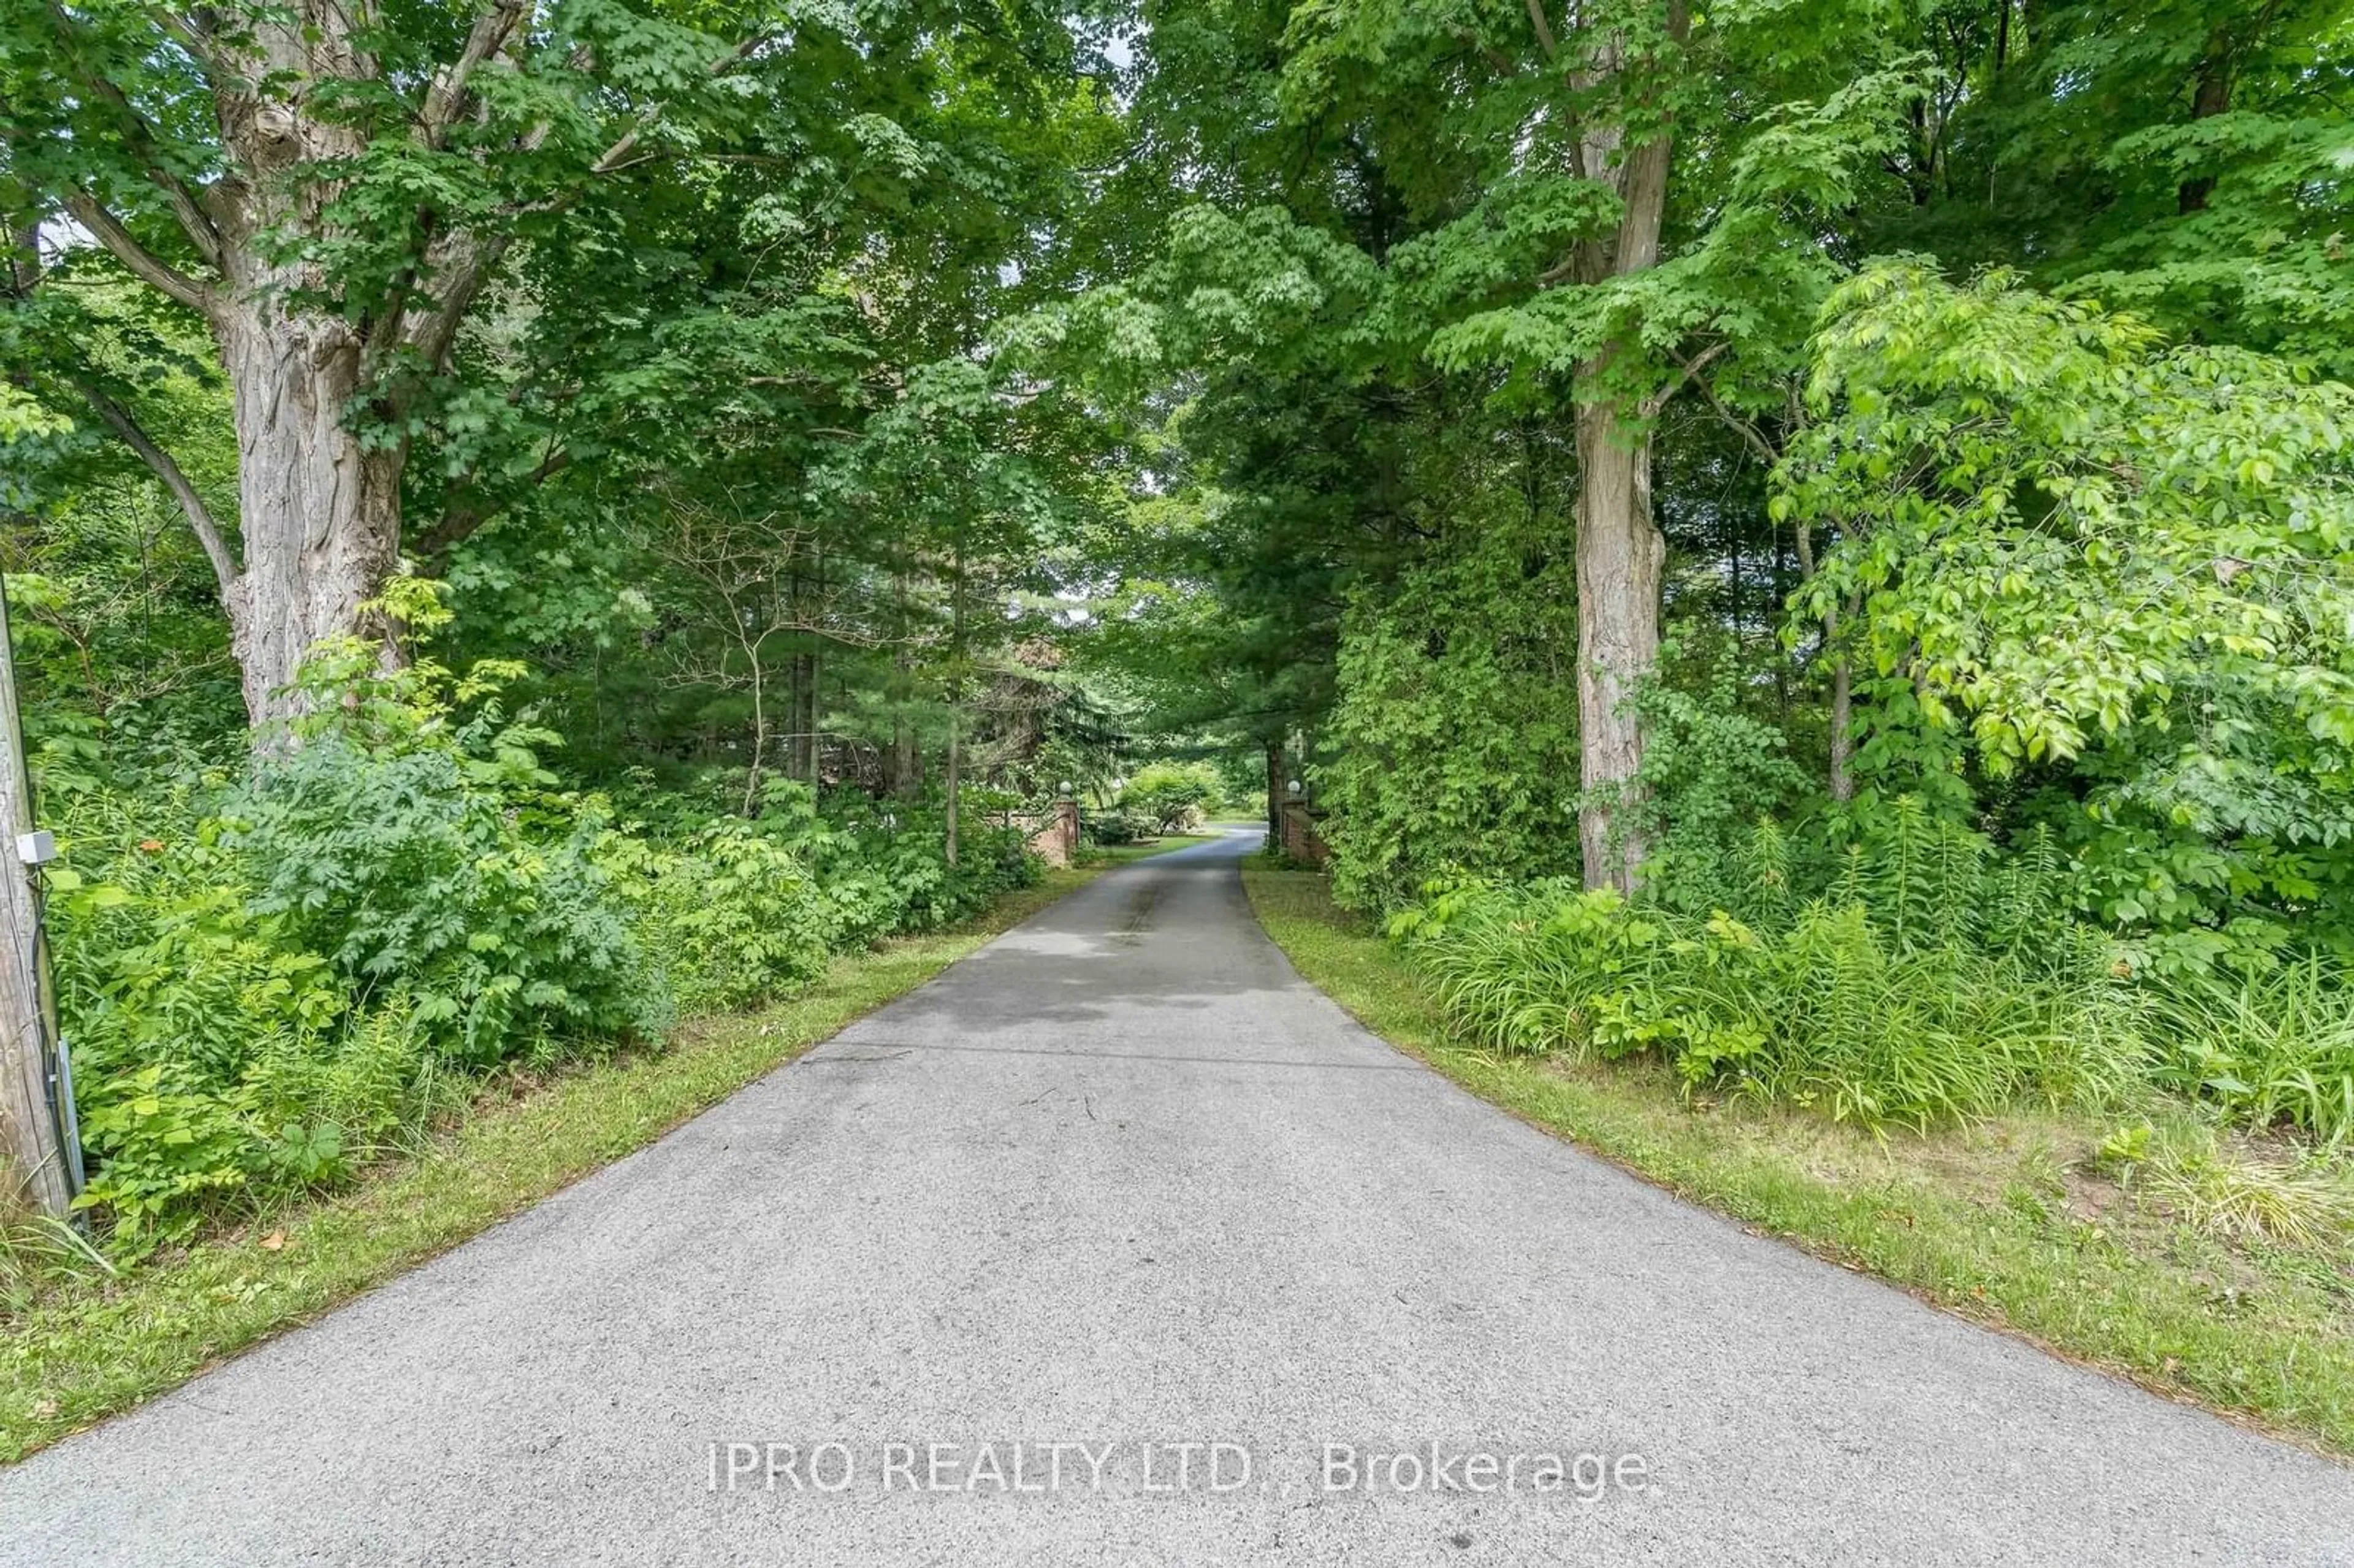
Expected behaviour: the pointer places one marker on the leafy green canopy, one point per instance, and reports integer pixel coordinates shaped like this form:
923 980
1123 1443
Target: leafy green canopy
2091 548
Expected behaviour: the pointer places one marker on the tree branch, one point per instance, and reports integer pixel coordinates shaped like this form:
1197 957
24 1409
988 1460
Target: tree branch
1689 369
183 32
615 155
141 139
1544 30
143 264
1497 59
200 518
436 328
494 24
1746 429
458 520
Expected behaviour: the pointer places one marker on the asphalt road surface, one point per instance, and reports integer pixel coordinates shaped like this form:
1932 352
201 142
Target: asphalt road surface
1118 1244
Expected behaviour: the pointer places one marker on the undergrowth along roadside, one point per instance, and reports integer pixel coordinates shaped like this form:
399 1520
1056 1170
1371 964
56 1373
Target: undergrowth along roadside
91 1349
2002 1222
1120 855
276 975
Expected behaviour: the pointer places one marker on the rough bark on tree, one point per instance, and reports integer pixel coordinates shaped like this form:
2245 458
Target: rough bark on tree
2210 94
320 516
32 1156
1619 551
1619 557
319 509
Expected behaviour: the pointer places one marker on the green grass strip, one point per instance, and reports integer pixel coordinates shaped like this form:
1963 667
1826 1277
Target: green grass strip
86 1352
1963 1220
1118 855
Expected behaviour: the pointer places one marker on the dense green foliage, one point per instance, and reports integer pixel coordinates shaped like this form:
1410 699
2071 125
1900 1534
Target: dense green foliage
2194 1259
1904 984
1988 376
828 435
1172 797
268 978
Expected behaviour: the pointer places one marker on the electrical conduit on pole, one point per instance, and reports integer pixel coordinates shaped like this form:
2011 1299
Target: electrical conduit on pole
36 1113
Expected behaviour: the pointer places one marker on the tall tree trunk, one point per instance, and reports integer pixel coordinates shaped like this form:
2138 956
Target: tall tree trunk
760 740
319 515
1841 748
903 760
807 719
1276 793
903 777
809 671
1619 557
1740 616
319 511
953 781
1619 552
799 678
2210 94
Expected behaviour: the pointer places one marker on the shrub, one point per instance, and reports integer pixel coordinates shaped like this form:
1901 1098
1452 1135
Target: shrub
1709 771
732 917
261 983
265 983
174 991
414 880
1897 1011
1452 740
1172 797
1120 827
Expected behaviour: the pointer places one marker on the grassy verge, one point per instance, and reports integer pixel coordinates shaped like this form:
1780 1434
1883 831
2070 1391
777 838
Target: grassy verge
87 1350
2002 1222
1118 855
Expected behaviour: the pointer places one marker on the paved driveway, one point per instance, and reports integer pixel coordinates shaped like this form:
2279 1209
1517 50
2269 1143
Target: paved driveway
1118 1243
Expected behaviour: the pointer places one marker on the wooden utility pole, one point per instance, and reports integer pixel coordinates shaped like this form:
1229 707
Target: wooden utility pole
28 1119
956 697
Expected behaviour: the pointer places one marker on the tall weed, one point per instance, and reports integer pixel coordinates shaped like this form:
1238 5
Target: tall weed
1916 989
2270 1046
